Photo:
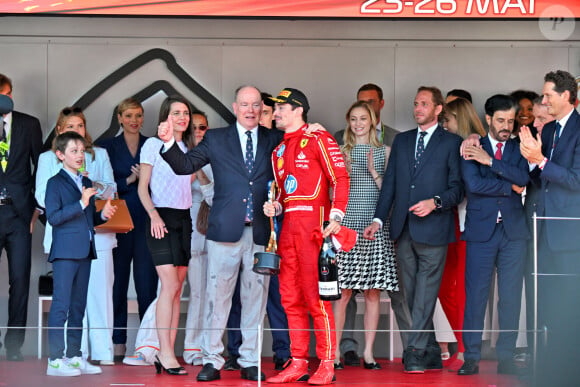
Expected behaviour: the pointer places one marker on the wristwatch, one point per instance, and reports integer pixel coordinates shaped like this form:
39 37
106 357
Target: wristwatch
337 218
438 202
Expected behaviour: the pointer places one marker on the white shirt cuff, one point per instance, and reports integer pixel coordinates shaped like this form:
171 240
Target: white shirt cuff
168 144
380 222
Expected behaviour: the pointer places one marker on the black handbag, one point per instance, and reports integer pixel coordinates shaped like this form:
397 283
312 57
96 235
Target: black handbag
45 284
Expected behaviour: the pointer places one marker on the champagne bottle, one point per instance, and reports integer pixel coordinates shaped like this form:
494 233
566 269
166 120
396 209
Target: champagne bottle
328 285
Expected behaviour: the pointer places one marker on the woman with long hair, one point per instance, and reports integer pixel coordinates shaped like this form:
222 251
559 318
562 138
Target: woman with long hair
370 266
461 119
167 199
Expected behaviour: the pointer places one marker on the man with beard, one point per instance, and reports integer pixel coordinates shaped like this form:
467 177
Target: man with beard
421 187
496 232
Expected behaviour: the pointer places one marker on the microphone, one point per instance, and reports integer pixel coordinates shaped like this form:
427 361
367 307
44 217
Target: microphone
6 104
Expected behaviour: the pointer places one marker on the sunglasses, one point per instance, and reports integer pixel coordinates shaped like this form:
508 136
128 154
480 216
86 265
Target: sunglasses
203 128
69 111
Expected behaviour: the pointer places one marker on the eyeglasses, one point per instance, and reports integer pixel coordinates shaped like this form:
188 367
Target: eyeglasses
203 128
68 111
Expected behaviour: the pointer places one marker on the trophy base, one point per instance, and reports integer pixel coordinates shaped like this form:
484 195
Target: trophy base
266 263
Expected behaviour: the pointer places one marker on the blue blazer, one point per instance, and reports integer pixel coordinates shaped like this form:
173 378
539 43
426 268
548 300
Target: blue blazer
559 184
221 149
73 229
489 190
403 186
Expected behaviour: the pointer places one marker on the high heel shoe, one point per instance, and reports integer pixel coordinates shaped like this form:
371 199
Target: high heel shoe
171 371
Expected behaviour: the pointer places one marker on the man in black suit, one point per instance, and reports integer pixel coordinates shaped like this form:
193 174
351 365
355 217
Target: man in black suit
21 138
422 185
240 159
554 159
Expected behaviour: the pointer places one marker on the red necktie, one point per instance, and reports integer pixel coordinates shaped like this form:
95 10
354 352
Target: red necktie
498 151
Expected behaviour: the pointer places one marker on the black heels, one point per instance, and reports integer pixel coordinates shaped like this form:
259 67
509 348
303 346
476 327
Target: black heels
171 371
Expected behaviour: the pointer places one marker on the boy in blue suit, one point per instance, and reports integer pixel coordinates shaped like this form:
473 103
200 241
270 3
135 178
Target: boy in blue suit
496 232
70 209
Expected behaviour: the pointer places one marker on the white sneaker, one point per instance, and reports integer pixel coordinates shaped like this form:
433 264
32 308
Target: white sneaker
106 362
136 360
84 366
59 367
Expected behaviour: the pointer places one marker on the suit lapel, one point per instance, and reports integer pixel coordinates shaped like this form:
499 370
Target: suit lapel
262 148
566 136
509 150
15 142
235 148
411 144
486 145
71 184
430 149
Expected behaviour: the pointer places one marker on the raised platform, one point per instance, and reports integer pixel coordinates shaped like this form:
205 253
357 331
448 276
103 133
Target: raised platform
32 372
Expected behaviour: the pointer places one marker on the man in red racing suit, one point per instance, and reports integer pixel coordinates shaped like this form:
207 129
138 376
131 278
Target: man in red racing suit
305 167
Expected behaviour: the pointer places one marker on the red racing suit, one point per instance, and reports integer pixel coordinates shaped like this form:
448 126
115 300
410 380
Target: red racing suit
306 166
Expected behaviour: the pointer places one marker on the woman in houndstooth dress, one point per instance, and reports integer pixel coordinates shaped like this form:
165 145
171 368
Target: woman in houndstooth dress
370 265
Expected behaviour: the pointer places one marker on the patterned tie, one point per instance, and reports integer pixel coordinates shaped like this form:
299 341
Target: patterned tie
420 148
556 138
498 151
249 165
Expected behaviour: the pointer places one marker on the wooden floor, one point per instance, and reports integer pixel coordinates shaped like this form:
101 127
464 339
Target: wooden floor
32 372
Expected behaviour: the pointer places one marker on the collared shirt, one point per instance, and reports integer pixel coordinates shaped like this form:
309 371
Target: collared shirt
494 143
380 132
244 138
77 177
427 136
563 122
8 126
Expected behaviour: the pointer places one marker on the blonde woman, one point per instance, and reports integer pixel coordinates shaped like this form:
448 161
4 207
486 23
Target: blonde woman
370 266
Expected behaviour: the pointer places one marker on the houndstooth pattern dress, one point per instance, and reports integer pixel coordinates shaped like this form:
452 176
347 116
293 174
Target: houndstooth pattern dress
370 264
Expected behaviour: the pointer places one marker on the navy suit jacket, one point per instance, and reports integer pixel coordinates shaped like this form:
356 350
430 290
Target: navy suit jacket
559 184
489 190
403 186
221 148
73 229
25 147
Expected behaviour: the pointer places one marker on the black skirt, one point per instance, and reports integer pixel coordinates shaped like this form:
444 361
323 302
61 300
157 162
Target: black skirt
175 247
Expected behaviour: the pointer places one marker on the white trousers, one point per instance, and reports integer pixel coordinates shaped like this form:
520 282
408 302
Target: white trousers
225 261
98 320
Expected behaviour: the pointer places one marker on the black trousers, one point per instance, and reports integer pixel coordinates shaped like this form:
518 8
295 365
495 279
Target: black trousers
16 239
559 312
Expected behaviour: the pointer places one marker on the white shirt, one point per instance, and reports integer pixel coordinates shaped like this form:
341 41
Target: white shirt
167 189
244 138
427 136
7 127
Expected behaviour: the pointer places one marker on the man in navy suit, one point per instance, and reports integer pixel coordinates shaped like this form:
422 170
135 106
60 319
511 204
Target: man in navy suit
22 136
496 232
422 185
240 159
554 160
